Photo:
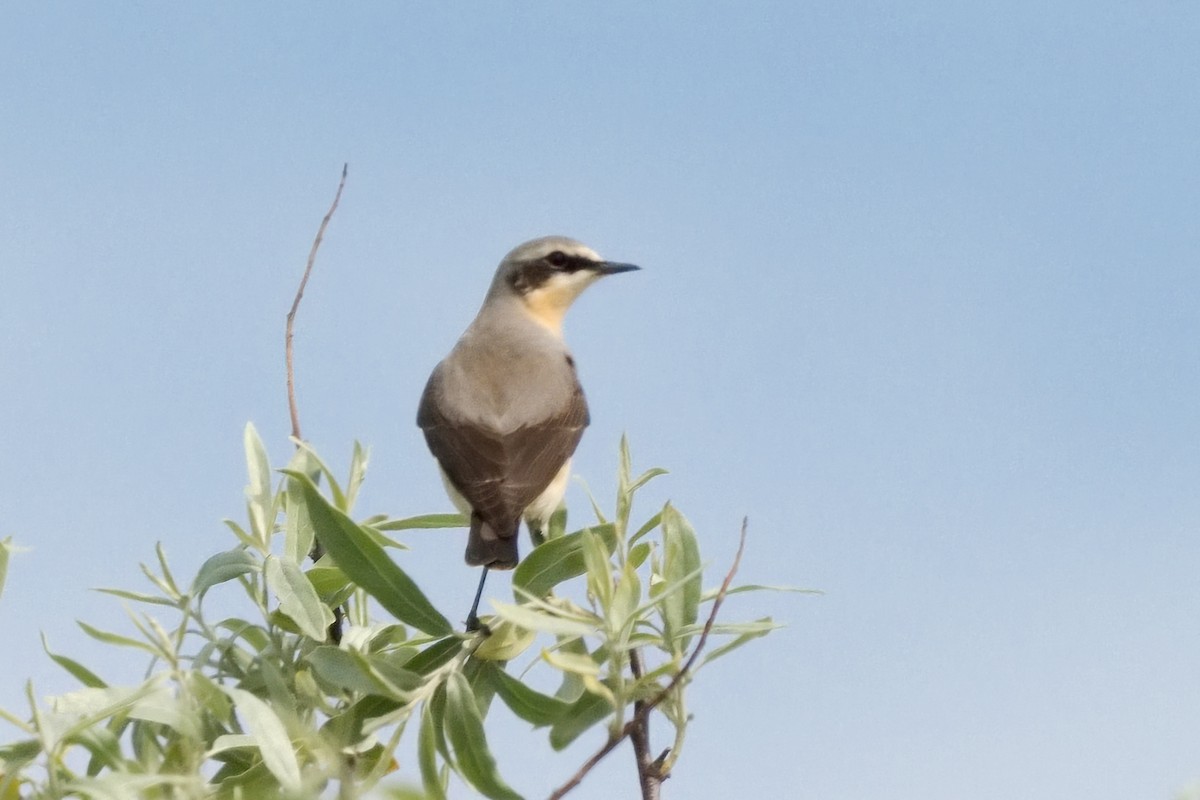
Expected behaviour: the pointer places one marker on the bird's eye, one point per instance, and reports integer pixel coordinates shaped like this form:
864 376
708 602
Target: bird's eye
557 259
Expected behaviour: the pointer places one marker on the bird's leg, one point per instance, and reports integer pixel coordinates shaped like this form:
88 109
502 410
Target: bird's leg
473 623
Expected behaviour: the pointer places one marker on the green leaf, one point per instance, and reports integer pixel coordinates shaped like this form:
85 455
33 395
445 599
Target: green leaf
717 652
529 619
711 594
77 670
423 521
271 736
638 554
507 641
243 537
366 563
168 580
137 597
558 523
626 596
18 753
297 598
298 528
260 499
332 585
464 729
565 661
7 548
114 638
571 688
431 778
340 669
358 471
759 626
339 497
681 558
583 714
529 704
646 477
648 526
224 567
391 678
599 569
438 654
102 745
558 560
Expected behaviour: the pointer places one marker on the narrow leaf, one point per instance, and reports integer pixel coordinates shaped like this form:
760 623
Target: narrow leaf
423 521
137 597
297 598
114 638
298 527
529 704
435 655
648 526
529 619
7 548
77 670
224 567
681 558
558 560
507 641
584 713
464 729
358 472
431 778
366 563
342 670
259 498
270 735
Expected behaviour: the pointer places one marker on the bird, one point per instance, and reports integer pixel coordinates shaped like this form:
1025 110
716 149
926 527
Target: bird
503 413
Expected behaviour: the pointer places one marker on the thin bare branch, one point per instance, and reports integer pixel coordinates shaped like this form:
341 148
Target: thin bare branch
642 710
339 614
648 777
291 317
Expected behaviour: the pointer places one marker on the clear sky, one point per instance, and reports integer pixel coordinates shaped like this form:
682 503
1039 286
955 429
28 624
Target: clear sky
921 296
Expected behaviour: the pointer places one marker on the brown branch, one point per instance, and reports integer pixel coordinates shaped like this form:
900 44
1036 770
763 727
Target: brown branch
335 630
649 777
291 317
642 709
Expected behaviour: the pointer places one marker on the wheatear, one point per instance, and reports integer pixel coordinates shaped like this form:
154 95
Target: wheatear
504 411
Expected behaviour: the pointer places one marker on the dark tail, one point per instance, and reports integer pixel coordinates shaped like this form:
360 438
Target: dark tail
488 547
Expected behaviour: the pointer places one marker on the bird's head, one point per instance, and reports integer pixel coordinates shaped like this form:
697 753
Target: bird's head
547 274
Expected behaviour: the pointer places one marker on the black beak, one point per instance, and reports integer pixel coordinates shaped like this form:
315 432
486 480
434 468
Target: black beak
613 267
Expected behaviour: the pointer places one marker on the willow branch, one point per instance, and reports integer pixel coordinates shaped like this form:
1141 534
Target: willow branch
335 629
649 777
291 317
642 711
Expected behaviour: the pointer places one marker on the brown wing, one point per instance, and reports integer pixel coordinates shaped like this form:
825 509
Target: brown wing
500 474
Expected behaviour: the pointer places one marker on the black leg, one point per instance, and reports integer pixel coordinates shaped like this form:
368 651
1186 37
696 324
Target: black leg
472 620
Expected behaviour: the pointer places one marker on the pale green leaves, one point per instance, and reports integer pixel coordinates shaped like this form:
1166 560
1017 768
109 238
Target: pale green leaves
680 563
366 563
297 597
271 737
266 706
464 729
7 548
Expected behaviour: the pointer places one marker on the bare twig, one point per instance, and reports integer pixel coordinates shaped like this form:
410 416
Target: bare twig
642 710
649 777
335 630
291 317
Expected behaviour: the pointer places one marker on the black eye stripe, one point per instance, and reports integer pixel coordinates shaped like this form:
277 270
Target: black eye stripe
560 261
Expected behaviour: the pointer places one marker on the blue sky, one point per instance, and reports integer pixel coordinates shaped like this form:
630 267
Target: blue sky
920 296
